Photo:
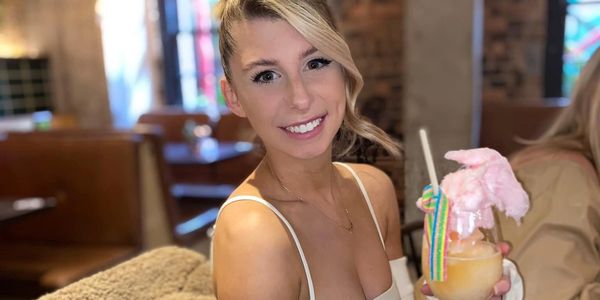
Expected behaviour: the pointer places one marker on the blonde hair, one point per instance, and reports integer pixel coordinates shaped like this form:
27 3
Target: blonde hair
578 126
313 20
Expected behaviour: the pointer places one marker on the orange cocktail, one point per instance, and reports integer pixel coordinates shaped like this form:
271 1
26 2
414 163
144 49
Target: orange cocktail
471 273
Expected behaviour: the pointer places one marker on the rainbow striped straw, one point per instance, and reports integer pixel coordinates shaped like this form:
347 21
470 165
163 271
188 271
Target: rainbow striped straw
435 205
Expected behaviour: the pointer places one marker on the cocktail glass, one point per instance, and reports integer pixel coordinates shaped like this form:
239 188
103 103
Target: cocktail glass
473 266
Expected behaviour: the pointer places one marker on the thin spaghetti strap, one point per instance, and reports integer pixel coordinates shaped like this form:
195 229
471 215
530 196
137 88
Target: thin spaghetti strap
311 289
367 199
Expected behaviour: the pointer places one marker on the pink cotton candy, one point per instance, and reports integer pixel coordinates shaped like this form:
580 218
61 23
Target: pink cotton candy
486 180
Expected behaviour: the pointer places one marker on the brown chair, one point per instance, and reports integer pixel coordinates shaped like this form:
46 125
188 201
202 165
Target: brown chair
166 205
503 123
97 220
191 208
233 128
172 122
229 128
411 233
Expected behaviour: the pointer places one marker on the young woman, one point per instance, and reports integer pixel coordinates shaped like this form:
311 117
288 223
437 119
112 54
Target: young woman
301 226
558 244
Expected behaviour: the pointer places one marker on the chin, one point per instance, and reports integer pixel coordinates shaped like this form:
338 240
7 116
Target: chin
310 152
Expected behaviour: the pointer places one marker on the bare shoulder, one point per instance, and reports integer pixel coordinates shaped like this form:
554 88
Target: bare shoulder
382 194
380 190
250 221
378 184
254 257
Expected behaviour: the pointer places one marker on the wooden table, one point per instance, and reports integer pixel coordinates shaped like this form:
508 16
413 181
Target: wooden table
210 162
202 178
205 153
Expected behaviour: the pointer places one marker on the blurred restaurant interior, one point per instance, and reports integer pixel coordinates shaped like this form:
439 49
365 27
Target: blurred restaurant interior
115 138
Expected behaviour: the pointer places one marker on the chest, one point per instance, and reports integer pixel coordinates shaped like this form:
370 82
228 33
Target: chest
342 264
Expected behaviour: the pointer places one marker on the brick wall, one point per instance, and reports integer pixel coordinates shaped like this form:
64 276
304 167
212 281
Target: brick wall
514 43
373 30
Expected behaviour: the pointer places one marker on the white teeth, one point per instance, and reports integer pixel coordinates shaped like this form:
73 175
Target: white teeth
304 128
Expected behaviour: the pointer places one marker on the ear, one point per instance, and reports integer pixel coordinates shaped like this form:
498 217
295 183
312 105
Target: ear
231 98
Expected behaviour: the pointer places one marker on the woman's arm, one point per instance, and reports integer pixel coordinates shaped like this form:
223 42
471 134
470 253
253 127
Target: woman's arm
385 204
381 191
253 255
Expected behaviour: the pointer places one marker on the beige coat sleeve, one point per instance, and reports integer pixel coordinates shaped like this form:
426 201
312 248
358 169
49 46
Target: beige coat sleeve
557 246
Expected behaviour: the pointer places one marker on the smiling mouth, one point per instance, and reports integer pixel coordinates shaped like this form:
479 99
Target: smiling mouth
305 127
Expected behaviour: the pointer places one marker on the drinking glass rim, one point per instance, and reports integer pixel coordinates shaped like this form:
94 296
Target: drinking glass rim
496 252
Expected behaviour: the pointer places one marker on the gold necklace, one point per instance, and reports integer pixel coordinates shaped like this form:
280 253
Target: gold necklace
348 228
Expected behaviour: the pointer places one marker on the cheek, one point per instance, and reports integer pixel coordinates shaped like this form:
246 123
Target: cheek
260 109
258 114
330 85
336 93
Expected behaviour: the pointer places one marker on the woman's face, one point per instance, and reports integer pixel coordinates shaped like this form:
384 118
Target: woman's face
292 94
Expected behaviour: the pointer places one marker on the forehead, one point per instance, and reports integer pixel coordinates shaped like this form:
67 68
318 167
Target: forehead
261 37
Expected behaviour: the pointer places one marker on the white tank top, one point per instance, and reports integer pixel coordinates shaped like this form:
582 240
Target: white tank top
390 294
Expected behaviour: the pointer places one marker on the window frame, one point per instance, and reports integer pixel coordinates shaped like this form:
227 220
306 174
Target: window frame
553 61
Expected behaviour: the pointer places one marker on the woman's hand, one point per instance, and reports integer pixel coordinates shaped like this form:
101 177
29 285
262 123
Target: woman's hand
500 289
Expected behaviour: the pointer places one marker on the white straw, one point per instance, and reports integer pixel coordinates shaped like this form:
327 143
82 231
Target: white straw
429 160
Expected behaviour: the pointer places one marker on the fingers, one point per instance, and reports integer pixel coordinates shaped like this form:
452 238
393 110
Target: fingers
504 248
426 290
501 288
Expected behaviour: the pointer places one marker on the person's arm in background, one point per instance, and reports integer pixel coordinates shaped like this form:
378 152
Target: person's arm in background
557 246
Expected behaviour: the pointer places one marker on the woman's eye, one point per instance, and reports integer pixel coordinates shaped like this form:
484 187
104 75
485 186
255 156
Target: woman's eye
318 63
265 77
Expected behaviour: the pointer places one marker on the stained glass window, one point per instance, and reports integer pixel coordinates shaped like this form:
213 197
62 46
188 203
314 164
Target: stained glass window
191 50
582 38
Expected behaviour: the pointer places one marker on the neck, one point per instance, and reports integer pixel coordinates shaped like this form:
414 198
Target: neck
310 179
314 187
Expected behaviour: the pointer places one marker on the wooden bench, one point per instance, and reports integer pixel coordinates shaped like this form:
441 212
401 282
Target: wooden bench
97 220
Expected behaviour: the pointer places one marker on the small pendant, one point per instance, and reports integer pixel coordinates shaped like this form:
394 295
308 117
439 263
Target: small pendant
349 220
351 227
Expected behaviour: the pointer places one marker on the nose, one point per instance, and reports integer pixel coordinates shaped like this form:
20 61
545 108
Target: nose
298 95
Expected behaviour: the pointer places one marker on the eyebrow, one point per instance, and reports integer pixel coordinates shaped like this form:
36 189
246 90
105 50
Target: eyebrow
272 62
258 63
308 52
